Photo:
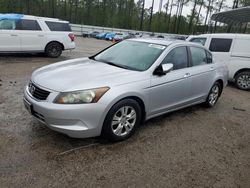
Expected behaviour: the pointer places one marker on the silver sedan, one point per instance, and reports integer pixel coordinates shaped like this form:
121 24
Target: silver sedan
116 90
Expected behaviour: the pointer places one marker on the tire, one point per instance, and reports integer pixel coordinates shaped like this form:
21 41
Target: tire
124 126
242 80
213 95
53 49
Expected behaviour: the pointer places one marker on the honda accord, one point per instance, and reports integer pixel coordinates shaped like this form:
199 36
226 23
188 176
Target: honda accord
113 92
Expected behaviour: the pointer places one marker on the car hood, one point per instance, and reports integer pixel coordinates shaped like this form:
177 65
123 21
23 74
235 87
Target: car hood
82 73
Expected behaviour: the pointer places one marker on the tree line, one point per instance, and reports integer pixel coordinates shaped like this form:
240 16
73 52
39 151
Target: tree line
129 14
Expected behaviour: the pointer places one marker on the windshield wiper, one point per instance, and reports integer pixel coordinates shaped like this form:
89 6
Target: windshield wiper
120 66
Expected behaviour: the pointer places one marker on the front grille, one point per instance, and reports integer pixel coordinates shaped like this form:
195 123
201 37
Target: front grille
37 92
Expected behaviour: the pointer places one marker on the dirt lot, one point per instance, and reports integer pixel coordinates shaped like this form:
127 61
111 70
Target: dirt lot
194 147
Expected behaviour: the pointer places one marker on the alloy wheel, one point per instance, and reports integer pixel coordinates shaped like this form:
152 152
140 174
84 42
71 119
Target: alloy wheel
123 121
214 95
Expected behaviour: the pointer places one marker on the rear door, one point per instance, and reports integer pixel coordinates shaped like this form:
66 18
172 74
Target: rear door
9 37
32 36
202 72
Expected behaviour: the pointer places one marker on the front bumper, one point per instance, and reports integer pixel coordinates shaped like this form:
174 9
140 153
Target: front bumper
77 121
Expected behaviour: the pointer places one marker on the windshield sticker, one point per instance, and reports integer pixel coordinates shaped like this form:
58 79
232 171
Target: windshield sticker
157 46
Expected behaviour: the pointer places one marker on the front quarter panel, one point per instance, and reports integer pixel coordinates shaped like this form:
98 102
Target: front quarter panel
117 93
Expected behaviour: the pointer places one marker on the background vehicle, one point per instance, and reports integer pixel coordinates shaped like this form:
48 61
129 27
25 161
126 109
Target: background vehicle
122 36
232 49
93 34
21 33
110 36
134 80
101 35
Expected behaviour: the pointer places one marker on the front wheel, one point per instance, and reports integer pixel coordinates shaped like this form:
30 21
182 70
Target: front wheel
122 120
213 95
242 80
53 49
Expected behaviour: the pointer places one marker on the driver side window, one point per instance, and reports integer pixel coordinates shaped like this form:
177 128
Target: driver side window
178 57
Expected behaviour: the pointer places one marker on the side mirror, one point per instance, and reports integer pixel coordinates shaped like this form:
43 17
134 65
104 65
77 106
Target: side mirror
163 69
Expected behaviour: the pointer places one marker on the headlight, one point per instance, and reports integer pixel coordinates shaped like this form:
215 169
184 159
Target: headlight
80 97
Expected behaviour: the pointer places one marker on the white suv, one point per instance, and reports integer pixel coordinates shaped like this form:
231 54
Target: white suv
22 33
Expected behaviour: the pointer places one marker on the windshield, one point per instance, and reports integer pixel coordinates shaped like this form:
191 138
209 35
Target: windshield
132 55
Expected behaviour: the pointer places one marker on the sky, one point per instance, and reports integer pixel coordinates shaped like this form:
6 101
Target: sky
186 9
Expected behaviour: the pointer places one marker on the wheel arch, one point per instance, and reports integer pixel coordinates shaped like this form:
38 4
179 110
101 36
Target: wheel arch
54 41
138 99
241 70
220 81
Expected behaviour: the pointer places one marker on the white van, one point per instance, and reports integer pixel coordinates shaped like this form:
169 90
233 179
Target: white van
234 50
23 33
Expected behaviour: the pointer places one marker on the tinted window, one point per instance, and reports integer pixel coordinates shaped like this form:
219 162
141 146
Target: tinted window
201 41
29 25
8 24
220 45
178 57
57 26
198 55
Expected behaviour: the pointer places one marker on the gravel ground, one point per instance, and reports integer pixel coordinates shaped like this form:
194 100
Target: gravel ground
193 147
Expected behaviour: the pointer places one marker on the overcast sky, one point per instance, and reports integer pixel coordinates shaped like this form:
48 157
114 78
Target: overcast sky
186 9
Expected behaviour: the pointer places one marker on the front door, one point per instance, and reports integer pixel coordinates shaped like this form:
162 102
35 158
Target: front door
172 90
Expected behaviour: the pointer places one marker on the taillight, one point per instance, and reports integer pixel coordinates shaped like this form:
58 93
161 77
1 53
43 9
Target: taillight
72 37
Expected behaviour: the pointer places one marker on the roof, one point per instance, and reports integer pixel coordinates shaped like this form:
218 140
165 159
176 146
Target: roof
223 35
235 16
155 41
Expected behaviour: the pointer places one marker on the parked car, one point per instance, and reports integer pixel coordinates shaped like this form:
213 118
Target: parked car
232 49
86 34
122 36
93 34
113 92
160 36
22 33
101 35
110 36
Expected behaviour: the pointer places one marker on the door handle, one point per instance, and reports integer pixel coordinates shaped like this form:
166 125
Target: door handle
13 35
187 75
40 35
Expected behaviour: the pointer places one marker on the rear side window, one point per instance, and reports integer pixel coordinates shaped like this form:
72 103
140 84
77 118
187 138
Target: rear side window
220 45
8 24
201 41
198 55
57 26
28 25
178 57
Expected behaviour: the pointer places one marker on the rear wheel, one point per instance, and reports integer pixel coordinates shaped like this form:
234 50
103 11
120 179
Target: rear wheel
53 49
213 95
242 80
122 120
